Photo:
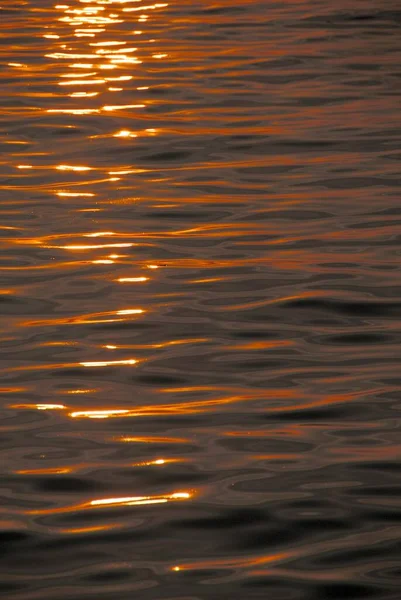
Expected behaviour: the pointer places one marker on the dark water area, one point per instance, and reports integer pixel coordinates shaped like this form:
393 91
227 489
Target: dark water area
200 300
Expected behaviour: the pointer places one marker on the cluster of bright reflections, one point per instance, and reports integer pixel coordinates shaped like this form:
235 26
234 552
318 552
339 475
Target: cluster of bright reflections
99 53
98 58
96 66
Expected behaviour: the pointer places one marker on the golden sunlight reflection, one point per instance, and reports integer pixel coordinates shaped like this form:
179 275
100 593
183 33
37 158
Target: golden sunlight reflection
132 279
159 462
88 318
100 234
73 168
40 406
86 22
92 246
179 407
107 363
46 471
149 439
125 133
134 500
80 391
99 414
118 502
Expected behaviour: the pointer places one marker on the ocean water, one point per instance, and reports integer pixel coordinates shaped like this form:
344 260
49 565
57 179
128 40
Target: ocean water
200 222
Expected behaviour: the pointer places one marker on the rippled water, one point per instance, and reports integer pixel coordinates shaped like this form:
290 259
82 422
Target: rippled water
200 300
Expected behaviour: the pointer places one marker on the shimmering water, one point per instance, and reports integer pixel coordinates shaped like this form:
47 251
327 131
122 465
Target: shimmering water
200 300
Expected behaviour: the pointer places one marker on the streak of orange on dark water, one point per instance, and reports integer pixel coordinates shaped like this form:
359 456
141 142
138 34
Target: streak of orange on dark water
199 299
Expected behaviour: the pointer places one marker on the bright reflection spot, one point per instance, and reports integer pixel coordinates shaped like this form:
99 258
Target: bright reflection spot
118 501
110 347
89 31
72 168
96 246
83 94
108 363
130 311
125 133
108 44
132 279
24 167
79 391
40 406
158 462
74 111
122 106
98 414
154 440
81 66
82 82
76 195
152 266
103 261
121 78
100 234
134 500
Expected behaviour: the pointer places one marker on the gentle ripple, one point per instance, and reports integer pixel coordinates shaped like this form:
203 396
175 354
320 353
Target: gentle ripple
200 246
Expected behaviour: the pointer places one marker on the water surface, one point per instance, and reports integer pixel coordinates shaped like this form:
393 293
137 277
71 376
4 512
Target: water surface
200 304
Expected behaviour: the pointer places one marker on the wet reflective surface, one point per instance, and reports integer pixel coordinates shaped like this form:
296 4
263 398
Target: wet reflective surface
200 228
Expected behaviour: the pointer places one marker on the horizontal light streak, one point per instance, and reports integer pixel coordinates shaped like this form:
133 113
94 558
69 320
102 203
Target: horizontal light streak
74 111
98 414
117 501
132 279
100 234
129 500
122 106
40 406
94 246
73 168
75 195
108 363
82 82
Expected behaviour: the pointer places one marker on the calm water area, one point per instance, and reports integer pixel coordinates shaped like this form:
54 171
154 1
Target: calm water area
200 300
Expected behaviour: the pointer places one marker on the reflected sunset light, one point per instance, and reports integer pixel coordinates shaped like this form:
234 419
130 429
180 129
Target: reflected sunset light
200 314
